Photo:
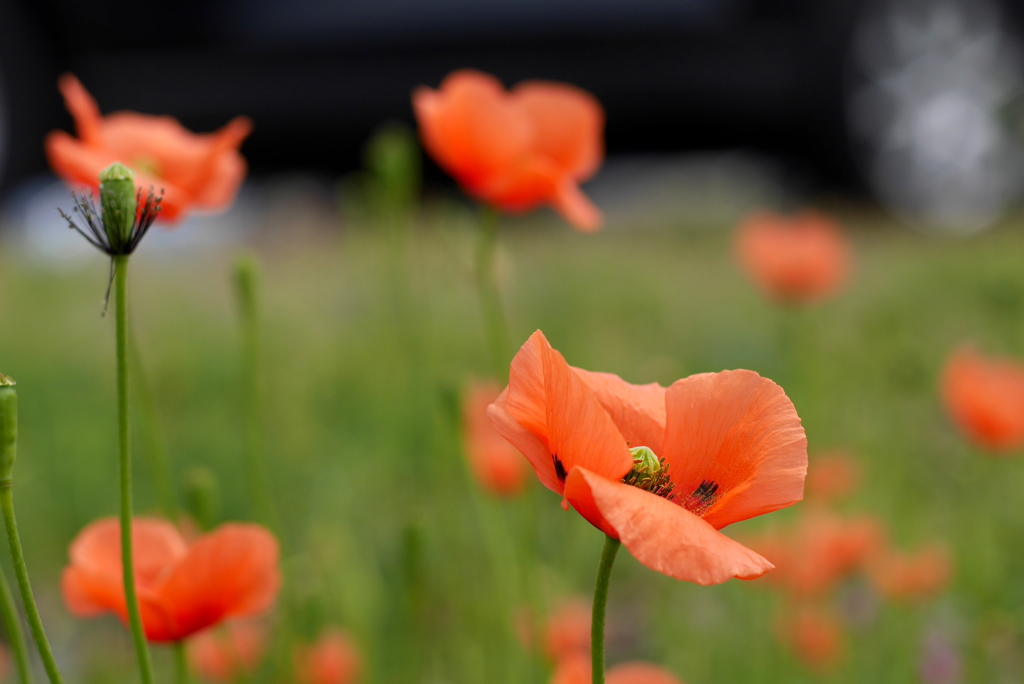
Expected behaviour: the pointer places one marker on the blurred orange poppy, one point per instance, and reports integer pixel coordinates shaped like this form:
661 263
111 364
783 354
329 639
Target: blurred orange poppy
819 552
228 654
912 576
568 630
192 171
576 669
831 477
796 259
519 149
985 398
333 659
815 635
721 448
182 588
498 466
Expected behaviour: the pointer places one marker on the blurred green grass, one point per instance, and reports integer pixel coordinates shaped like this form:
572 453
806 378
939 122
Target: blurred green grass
383 532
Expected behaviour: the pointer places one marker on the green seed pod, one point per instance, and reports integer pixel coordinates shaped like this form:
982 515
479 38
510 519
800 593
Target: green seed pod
118 202
645 461
8 428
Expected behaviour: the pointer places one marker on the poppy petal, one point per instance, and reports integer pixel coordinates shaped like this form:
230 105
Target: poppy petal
529 444
640 673
666 537
526 399
231 572
580 431
576 208
155 545
566 125
637 410
734 445
83 109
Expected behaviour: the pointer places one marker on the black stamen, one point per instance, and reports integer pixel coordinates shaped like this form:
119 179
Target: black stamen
559 468
702 498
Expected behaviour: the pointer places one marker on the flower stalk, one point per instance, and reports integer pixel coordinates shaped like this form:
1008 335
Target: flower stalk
124 452
604 575
8 455
495 325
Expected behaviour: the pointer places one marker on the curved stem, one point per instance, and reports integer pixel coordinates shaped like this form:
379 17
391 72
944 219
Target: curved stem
35 623
124 451
604 574
15 634
180 663
246 286
490 300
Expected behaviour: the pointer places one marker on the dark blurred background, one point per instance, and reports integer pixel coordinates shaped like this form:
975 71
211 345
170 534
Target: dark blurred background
914 102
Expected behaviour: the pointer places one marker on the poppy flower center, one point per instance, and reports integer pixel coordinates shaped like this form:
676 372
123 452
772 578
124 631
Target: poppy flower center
649 473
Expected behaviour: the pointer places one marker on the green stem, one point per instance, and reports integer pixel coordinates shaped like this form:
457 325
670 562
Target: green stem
246 286
160 462
180 663
15 634
35 623
124 451
604 574
495 326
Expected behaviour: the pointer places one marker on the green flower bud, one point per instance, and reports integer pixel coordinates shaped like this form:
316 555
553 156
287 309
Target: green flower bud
645 461
118 202
8 428
393 159
202 496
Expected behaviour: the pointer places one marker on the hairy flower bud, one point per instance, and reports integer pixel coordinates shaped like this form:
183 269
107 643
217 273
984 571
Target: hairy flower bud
118 202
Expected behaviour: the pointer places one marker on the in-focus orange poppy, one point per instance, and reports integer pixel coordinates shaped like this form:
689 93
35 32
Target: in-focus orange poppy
333 659
576 669
921 575
497 465
985 398
815 634
568 630
182 588
660 469
192 171
831 477
822 550
794 259
515 150
229 653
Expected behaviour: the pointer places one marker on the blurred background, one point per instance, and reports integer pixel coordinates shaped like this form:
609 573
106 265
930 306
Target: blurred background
904 119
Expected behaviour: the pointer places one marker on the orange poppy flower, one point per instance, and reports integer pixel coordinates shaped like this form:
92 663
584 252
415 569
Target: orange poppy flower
182 588
576 669
815 635
228 654
820 552
912 576
519 149
721 447
333 659
832 477
568 630
985 398
798 259
498 466
193 171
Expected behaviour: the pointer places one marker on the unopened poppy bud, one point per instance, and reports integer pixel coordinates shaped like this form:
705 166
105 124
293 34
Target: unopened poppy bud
8 428
645 461
393 160
118 202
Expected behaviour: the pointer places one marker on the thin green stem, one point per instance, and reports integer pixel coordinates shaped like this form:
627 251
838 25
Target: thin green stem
35 623
493 313
124 451
15 634
246 287
604 574
180 663
160 462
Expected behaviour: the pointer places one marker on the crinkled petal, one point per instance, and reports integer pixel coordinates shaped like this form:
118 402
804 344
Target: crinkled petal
734 445
535 450
666 537
638 410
